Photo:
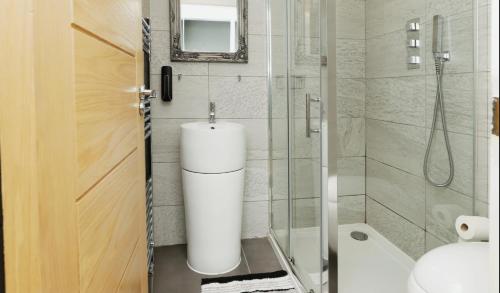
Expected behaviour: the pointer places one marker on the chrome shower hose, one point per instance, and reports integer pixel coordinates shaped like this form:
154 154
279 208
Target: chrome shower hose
439 108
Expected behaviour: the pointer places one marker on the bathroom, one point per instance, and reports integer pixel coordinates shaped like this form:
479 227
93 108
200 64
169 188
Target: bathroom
249 146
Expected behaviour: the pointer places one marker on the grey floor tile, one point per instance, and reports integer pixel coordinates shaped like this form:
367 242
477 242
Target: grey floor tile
172 274
260 256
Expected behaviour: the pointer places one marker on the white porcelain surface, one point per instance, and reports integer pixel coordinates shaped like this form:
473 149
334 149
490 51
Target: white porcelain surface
372 266
213 148
213 178
214 209
455 268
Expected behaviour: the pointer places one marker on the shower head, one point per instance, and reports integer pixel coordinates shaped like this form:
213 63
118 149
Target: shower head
437 39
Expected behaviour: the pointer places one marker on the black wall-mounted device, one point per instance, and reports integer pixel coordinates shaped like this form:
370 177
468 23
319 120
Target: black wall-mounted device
166 84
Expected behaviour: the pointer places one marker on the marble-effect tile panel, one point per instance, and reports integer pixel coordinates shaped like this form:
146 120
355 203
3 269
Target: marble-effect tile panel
351 95
257 181
351 58
352 209
255 219
386 16
351 19
190 98
351 180
400 100
398 145
170 226
239 99
407 236
167 184
351 137
400 191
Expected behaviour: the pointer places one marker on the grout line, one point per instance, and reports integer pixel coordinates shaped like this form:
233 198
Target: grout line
417 126
396 213
418 176
245 259
352 195
394 167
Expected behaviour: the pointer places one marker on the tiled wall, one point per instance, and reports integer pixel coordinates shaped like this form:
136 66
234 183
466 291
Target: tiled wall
399 108
242 102
351 95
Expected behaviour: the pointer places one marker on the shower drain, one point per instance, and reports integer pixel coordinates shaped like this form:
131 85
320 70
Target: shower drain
359 236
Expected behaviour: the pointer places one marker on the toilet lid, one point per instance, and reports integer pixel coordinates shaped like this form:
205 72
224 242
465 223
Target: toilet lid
455 268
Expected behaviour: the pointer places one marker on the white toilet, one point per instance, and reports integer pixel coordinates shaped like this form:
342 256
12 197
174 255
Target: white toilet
455 268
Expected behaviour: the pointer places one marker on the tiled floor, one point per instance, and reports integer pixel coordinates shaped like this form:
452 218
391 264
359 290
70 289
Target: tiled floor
172 274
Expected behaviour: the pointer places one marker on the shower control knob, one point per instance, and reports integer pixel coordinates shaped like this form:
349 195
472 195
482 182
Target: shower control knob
414 60
414 27
414 43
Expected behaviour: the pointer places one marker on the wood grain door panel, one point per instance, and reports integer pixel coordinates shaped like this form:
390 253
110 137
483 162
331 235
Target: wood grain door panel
73 172
110 224
106 108
111 20
133 281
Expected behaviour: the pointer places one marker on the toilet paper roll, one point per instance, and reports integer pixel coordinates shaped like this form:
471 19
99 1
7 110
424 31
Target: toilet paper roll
473 228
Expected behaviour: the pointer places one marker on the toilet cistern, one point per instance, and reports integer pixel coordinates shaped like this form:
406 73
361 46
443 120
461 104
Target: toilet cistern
211 117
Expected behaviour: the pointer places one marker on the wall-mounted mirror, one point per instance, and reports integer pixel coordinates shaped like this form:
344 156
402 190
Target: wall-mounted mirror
209 30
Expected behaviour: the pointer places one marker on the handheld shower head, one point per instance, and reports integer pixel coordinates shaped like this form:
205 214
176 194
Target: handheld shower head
437 39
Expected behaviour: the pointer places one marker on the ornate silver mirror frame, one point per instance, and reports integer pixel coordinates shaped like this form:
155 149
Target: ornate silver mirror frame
178 55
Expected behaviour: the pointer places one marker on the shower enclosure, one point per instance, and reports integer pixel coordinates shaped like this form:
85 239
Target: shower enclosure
353 92
295 107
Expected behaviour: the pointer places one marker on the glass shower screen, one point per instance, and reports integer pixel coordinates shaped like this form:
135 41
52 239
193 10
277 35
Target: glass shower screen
295 79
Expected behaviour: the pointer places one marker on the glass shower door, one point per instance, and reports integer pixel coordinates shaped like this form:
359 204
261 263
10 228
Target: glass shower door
305 138
295 107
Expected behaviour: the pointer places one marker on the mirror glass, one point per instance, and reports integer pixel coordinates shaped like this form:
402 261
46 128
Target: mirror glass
209 26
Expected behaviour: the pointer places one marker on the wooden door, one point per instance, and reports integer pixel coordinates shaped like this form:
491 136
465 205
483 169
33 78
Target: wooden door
72 146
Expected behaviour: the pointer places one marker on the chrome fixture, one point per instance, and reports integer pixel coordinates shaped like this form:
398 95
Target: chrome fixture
413 44
440 58
308 115
145 103
359 236
145 95
211 118
437 40
413 26
414 60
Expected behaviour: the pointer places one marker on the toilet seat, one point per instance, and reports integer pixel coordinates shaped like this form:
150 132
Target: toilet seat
454 268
